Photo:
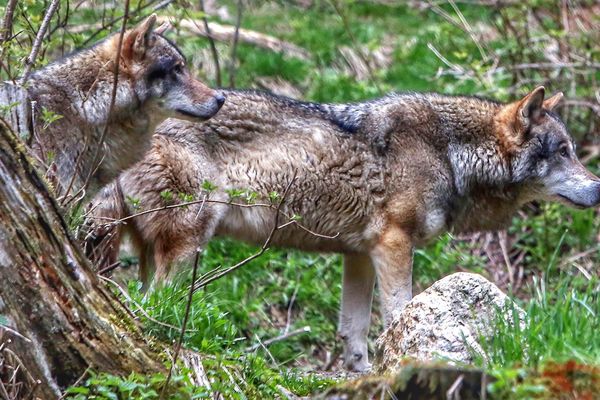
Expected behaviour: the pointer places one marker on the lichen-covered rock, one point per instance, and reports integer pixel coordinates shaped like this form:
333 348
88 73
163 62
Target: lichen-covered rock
444 322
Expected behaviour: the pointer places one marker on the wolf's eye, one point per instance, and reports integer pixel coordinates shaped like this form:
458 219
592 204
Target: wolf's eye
564 152
178 69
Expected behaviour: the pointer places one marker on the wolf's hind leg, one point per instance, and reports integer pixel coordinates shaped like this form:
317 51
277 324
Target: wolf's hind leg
392 259
355 316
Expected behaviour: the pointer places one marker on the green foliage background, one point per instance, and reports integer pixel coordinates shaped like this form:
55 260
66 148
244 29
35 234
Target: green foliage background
286 290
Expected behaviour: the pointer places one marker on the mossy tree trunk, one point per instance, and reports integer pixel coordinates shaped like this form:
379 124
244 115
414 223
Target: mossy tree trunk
56 319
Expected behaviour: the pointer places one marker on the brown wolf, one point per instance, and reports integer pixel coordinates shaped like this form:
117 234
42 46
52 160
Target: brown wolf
380 177
153 84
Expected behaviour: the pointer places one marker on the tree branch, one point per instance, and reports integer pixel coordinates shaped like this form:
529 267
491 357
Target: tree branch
38 40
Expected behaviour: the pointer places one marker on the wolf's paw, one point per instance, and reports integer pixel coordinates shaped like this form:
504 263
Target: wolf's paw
357 363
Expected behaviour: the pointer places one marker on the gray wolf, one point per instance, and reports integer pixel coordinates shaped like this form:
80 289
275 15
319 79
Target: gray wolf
378 177
153 84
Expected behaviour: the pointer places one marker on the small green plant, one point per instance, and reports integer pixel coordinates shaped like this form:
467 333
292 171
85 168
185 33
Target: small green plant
48 117
167 196
186 197
209 186
104 386
135 203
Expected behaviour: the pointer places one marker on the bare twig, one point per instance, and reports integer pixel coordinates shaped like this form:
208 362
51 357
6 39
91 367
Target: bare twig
225 33
113 95
234 45
186 316
454 392
288 322
279 338
109 268
77 382
30 61
211 41
347 27
14 332
63 199
217 273
189 203
6 28
102 27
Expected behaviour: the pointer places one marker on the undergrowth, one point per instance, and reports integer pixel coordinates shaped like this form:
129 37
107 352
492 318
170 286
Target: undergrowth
286 290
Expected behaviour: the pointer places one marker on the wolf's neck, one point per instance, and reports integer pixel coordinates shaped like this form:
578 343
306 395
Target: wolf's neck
85 82
466 126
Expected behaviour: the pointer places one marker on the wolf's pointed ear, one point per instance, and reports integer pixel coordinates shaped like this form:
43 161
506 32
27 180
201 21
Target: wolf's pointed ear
163 28
553 102
517 118
531 107
139 37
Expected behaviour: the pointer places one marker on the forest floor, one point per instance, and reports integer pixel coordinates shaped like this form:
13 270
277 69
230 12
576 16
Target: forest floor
546 260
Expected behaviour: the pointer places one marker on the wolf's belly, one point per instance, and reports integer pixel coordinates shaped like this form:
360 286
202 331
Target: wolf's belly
255 224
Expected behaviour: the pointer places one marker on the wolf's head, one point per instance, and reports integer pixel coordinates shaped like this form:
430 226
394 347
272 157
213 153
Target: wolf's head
543 152
159 74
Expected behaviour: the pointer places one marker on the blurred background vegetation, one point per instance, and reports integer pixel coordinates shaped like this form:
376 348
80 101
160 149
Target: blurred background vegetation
341 51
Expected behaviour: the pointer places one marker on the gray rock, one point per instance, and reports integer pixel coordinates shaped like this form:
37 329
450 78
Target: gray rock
445 322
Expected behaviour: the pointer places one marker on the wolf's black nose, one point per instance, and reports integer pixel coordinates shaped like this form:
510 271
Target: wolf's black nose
220 99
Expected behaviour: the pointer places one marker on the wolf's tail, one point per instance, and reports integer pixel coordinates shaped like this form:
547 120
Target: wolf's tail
103 227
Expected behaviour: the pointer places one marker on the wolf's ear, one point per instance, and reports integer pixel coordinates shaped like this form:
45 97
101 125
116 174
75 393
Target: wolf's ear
551 103
516 118
139 38
162 28
530 109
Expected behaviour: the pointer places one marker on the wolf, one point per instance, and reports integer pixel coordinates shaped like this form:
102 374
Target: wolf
78 139
370 180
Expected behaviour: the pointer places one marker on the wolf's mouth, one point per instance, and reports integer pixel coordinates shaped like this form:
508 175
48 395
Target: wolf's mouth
571 202
192 114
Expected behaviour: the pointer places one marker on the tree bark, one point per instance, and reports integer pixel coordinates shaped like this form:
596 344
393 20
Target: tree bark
56 319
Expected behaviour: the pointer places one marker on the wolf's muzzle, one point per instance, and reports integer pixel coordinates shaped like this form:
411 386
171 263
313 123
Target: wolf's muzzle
204 110
583 196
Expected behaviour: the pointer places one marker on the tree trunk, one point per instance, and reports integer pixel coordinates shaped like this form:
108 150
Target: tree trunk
56 319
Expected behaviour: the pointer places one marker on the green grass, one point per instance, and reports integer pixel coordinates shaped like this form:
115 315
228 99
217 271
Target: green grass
562 324
253 303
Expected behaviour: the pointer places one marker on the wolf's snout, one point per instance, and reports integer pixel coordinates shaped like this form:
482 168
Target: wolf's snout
595 198
203 106
213 106
583 193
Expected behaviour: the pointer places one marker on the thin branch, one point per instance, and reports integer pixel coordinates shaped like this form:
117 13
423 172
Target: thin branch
38 40
224 33
236 36
347 27
213 47
188 306
279 338
288 321
113 95
185 204
6 28
14 332
63 199
217 273
111 23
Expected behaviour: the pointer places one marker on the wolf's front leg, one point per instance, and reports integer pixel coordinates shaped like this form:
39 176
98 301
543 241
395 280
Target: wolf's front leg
392 259
355 316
